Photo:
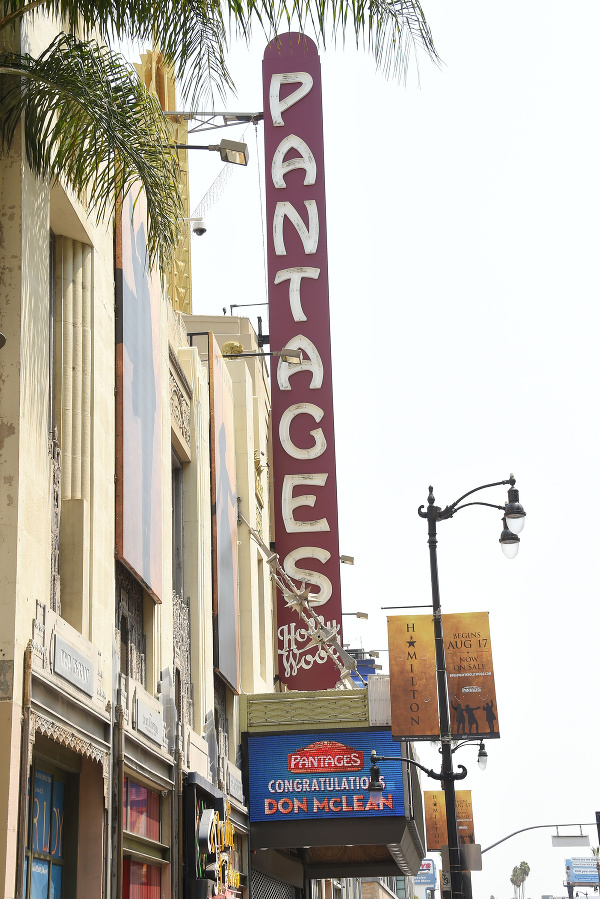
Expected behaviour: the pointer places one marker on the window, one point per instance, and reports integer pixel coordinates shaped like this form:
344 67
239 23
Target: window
124 655
141 810
141 821
178 693
53 444
140 881
44 849
177 523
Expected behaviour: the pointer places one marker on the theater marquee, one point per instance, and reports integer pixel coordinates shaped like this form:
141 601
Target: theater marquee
322 776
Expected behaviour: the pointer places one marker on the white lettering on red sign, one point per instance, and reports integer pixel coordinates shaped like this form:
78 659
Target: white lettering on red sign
306 527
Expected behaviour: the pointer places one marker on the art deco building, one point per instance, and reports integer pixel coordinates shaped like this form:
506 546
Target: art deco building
127 635
137 607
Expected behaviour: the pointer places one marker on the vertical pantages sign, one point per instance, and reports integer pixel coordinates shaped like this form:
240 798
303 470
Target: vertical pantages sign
304 479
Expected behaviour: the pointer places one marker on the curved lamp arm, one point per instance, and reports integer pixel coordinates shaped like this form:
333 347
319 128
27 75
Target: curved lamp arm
437 775
449 511
473 741
510 481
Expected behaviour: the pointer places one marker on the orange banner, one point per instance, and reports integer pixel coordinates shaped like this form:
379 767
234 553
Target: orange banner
435 819
470 675
464 817
413 688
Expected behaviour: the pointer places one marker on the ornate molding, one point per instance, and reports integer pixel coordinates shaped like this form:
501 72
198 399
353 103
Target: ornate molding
258 485
66 737
38 643
182 655
180 408
180 372
130 603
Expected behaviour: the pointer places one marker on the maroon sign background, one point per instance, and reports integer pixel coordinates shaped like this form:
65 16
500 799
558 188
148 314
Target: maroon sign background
305 490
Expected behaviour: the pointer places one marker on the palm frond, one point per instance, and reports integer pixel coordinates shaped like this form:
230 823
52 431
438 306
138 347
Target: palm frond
89 120
193 34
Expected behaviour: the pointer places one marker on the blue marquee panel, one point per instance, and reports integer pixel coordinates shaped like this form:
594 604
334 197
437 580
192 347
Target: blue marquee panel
321 776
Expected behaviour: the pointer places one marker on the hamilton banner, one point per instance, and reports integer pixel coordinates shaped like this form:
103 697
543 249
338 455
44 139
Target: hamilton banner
413 685
469 672
464 817
435 818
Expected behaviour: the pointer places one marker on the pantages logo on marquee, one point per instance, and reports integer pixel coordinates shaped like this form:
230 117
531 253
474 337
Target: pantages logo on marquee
304 478
297 776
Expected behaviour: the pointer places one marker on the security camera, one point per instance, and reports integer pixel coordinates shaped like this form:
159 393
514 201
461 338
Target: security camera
198 226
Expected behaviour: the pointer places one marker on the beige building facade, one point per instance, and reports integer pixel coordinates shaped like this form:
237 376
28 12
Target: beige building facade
109 697
137 603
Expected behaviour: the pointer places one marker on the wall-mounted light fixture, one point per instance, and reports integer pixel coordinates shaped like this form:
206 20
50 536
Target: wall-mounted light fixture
233 151
287 354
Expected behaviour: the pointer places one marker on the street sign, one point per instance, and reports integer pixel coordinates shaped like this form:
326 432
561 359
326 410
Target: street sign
426 875
470 857
574 839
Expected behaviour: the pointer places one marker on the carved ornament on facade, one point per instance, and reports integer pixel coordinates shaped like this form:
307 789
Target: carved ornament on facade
65 737
180 408
182 653
130 603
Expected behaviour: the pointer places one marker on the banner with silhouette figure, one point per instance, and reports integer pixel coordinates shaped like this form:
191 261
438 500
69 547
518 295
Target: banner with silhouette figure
435 818
470 675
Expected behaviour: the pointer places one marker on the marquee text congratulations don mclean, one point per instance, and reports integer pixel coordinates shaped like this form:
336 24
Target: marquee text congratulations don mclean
348 802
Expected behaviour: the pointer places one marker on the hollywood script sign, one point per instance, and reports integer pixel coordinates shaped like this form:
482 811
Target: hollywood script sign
306 527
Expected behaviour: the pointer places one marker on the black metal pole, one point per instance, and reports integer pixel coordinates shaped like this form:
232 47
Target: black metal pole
456 880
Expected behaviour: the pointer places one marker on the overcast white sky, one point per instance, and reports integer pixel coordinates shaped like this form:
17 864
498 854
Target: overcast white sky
463 248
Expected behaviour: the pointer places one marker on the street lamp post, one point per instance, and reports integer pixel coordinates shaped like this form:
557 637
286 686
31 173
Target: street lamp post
376 790
513 512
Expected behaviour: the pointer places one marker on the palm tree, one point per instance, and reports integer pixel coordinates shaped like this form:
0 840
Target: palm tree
518 877
88 120
515 879
524 872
